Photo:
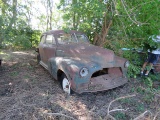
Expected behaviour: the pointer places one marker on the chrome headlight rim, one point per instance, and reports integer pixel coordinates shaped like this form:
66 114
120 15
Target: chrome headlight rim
126 64
83 72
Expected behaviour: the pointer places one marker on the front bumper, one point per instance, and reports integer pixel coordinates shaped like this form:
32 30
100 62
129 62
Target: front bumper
101 83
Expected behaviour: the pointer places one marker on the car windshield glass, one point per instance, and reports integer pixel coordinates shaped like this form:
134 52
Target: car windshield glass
71 38
81 38
65 38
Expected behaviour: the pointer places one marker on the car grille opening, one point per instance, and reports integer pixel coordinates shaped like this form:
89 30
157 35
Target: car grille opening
100 72
116 71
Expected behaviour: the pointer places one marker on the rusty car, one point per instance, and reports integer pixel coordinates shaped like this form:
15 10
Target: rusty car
78 65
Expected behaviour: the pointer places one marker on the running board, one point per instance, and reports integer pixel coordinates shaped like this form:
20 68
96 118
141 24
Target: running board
43 64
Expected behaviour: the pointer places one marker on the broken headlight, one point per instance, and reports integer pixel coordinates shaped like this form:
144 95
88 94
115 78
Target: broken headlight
84 72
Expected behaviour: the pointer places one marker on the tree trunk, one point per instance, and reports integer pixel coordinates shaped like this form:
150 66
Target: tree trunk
51 13
99 39
14 14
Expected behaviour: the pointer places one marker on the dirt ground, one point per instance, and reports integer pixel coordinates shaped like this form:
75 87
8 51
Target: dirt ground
28 92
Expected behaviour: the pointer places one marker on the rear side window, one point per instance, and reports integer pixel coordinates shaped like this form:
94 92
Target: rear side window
49 39
43 39
53 41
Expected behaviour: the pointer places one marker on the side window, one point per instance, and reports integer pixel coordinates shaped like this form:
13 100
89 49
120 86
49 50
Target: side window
64 38
49 39
43 39
54 41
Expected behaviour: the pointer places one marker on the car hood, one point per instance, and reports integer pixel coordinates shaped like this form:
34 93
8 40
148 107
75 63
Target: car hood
89 52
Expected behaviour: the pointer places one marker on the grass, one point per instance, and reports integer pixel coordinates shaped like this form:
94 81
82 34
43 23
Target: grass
120 116
14 73
140 107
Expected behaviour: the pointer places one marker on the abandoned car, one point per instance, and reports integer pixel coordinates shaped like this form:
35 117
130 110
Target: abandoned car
79 65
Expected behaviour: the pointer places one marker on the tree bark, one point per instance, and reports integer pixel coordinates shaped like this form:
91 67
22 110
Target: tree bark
51 13
100 39
14 14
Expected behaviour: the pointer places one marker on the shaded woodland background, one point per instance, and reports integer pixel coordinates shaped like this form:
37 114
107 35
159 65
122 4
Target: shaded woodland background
113 24
26 93
110 23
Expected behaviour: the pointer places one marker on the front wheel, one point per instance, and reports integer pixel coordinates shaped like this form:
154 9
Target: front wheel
66 86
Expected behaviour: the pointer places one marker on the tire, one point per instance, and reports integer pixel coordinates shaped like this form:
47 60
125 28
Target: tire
66 86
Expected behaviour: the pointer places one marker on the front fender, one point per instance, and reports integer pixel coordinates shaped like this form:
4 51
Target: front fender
71 67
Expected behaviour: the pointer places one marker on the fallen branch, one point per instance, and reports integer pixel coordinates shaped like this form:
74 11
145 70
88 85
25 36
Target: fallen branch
156 115
109 111
118 110
142 115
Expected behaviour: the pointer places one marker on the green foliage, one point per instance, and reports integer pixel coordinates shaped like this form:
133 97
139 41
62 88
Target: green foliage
120 116
148 82
148 98
133 70
133 23
140 107
84 15
126 101
140 90
21 38
14 73
155 77
15 31
150 44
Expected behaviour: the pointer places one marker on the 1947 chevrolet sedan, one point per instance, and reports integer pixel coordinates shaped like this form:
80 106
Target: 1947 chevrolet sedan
79 65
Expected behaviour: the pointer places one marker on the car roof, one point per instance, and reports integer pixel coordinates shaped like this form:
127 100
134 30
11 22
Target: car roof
61 31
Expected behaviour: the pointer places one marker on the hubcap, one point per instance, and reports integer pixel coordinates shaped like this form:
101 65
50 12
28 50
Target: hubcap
66 85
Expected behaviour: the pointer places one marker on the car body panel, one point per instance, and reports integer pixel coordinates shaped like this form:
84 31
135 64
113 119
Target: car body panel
105 69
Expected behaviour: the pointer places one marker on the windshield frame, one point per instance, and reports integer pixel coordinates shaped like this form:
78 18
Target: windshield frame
72 38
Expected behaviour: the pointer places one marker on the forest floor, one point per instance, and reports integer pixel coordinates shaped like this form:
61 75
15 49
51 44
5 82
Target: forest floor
28 92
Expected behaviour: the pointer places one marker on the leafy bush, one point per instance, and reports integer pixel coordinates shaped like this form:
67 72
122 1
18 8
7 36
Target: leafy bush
136 61
133 70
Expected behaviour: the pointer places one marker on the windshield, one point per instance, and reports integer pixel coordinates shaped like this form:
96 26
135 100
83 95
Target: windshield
71 38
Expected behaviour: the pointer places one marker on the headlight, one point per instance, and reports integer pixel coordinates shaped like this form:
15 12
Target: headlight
126 64
83 72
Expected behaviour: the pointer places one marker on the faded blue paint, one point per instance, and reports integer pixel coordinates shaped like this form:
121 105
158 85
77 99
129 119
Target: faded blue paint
66 65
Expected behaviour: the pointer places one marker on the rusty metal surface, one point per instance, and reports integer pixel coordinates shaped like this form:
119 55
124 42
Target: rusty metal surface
105 70
104 82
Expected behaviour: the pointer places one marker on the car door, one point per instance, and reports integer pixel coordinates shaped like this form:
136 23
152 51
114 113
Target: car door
41 46
49 48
